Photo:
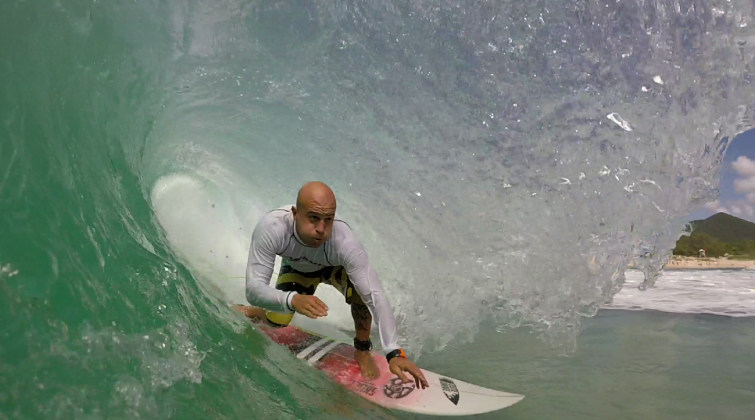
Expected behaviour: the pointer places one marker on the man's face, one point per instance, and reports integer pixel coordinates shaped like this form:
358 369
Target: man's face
314 223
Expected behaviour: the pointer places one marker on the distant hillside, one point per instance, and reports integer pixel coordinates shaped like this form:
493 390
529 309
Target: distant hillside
725 227
720 234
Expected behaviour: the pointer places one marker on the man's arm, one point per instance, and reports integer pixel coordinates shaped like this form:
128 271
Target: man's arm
367 284
259 270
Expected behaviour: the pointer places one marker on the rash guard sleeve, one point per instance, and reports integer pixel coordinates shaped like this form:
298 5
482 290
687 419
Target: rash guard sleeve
259 270
367 284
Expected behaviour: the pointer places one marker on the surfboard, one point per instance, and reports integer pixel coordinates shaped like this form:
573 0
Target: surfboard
446 396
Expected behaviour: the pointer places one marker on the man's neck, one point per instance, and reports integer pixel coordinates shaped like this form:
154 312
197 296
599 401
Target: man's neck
296 235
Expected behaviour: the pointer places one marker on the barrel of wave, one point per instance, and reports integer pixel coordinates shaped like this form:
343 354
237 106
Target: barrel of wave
210 229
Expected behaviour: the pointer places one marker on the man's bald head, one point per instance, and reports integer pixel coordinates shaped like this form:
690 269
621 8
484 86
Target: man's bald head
316 193
314 213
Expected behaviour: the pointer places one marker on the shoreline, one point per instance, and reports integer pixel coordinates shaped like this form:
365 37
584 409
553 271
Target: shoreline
692 263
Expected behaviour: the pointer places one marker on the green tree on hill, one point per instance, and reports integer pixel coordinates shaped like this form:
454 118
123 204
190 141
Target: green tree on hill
718 235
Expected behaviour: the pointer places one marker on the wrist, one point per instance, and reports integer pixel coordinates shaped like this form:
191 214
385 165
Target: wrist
395 353
290 301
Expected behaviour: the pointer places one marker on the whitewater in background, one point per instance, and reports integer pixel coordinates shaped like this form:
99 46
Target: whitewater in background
729 293
503 163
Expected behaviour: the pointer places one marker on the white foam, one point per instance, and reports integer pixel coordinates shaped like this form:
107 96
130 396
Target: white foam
200 232
720 292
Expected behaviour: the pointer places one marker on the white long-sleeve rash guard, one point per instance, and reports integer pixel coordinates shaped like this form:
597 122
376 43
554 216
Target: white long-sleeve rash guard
275 235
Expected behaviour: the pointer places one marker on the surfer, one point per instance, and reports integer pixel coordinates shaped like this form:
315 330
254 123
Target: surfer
317 247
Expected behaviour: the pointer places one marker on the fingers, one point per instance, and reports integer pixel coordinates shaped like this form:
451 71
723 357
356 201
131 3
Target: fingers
401 376
316 307
320 306
398 371
309 306
313 307
308 313
419 378
312 313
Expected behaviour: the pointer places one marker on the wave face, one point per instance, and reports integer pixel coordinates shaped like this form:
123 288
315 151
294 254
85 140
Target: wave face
500 161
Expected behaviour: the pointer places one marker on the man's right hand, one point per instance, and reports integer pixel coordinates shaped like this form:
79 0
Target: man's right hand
399 365
310 306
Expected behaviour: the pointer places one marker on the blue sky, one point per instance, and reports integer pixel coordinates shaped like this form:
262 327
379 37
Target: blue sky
737 189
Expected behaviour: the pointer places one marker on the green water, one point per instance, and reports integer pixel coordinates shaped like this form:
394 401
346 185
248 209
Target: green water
630 365
99 320
113 298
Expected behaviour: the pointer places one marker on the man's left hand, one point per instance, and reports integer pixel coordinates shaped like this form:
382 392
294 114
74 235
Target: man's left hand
399 365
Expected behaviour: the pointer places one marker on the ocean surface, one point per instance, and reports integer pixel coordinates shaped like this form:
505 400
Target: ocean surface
503 162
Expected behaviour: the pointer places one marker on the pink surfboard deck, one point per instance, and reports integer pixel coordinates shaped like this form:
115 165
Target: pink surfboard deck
445 396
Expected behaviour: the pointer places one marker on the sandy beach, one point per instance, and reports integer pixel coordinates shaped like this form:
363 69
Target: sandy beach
690 263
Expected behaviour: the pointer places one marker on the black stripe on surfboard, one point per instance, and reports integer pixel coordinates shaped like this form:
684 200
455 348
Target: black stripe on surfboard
316 356
298 347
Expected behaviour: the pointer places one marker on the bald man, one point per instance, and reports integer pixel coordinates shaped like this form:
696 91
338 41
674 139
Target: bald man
317 247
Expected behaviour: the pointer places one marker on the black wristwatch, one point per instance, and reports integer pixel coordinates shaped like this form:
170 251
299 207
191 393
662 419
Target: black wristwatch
362 345
395 353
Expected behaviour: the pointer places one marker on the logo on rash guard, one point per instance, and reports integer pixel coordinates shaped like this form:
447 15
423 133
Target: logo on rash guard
307 260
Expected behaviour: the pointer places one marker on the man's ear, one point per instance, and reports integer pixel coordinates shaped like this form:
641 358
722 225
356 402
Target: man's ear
293 210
